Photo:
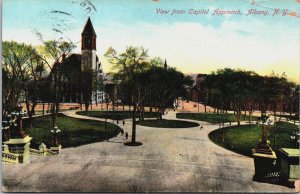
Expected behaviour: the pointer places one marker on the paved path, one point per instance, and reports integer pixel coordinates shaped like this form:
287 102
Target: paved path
170 160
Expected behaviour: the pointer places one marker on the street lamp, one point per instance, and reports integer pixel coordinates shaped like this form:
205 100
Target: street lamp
55 132
17 123
295 137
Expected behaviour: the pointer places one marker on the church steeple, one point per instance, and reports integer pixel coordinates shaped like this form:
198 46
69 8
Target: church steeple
88 36
165 65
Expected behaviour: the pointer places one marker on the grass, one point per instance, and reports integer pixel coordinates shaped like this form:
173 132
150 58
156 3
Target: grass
212 117
74 132
115 115
167 123
242 139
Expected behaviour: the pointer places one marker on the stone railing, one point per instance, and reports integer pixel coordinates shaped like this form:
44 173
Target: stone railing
10 158
43 151
35 152
51 153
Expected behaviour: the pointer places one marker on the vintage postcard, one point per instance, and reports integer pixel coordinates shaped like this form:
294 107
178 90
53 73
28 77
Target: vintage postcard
150 96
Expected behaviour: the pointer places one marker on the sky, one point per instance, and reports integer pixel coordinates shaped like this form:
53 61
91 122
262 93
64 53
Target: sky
192 43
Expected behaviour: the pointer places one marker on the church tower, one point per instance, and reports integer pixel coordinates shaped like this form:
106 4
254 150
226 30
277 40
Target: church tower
165 65
88 47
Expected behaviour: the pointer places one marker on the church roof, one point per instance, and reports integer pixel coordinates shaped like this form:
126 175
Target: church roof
88 28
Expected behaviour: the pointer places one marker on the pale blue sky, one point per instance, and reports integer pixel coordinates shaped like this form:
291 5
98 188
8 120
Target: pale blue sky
192 43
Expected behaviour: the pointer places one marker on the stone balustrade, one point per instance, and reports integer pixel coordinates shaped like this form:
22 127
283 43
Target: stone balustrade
10 158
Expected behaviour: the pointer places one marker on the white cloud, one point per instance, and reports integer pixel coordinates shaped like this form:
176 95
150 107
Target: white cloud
194 48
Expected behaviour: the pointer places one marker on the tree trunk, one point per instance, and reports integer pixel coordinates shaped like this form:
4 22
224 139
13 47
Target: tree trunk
250 116
86 108
133 124
43 108
239 117
143 113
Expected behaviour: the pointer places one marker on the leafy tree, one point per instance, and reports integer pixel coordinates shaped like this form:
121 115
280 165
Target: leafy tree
164 86
55 53
33 87
245 91
129 64
16 73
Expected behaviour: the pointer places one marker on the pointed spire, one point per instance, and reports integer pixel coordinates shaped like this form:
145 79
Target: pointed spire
88 28
165 65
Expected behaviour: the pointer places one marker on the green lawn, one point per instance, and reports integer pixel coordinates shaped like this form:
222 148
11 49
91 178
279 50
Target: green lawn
212 117
115 115
74 132
242 139
167 123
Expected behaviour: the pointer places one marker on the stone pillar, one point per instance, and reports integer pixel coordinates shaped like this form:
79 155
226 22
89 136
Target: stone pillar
43 149
20 146
289 165
19 142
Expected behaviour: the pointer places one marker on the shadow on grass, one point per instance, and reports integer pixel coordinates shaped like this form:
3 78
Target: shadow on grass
164 123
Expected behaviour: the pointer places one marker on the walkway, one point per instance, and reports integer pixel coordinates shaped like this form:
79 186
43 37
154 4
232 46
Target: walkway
170 160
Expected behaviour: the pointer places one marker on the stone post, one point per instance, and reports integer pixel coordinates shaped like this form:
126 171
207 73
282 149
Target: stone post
43 149
263 155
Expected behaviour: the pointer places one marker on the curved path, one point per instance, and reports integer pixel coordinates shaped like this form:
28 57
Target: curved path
170 160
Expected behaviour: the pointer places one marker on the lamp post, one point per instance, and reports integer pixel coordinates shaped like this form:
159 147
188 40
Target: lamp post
18 131
295 137
55 133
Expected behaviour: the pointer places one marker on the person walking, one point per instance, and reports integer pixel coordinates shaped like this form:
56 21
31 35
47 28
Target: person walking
126 136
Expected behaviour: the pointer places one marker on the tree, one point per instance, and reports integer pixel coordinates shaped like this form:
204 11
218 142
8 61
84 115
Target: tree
32 89
16 73
56 51
129 64
164 86
230 89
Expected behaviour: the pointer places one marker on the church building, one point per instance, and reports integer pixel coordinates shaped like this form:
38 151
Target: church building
72 67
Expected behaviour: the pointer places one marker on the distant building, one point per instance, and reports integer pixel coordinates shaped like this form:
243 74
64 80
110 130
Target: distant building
196 89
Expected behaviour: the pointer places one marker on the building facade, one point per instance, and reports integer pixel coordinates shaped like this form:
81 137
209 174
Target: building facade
73 68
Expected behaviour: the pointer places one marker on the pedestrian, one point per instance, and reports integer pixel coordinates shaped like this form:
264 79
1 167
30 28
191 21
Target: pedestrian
122 131
123 122
117 122
126 135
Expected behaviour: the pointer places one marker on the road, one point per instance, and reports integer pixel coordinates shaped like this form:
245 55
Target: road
170 160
